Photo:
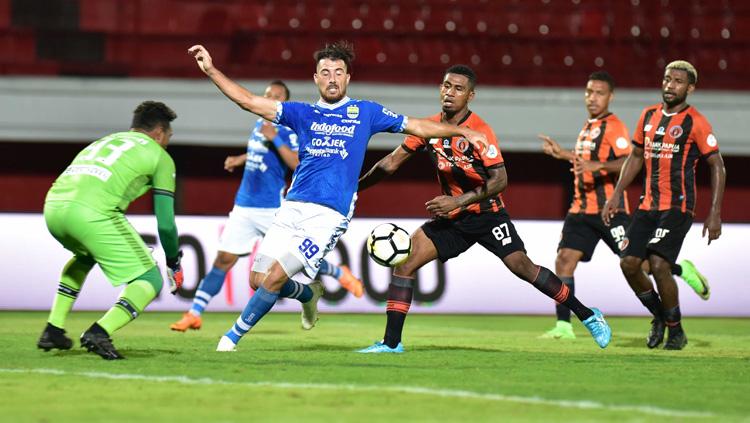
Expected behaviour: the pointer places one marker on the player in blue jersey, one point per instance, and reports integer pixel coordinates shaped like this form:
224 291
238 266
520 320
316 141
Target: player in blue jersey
271 153
333 134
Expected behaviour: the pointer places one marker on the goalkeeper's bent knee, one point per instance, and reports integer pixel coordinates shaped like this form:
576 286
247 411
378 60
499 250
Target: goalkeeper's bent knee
153 277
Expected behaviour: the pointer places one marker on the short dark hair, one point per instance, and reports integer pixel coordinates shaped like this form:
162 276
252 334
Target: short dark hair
465 71
150 114
605 77
281 84
340 50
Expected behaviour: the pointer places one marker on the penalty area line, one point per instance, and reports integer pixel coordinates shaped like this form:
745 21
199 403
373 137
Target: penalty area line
443 393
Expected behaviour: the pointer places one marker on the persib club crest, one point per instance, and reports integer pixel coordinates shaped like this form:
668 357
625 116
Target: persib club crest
352 112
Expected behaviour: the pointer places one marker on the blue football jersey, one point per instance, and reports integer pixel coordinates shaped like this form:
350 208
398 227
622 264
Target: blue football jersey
264 179
332 143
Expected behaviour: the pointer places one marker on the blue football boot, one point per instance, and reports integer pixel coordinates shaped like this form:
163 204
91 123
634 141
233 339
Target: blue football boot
380 347
599 328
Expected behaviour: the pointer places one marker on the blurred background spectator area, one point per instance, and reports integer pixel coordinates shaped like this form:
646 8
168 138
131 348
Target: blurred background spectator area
509 42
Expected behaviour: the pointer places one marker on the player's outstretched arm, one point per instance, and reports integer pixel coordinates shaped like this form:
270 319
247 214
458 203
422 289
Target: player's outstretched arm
552 148
385 167
289 156
630 169
425 128
712 225
261 106
611 166
442 205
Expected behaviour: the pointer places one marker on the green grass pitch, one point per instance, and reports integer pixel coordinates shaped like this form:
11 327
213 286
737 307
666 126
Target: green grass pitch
471 368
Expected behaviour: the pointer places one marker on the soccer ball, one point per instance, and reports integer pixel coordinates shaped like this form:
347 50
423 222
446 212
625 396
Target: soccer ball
389 245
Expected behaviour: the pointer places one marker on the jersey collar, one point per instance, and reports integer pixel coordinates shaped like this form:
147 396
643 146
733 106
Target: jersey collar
664 111
608 114
322 104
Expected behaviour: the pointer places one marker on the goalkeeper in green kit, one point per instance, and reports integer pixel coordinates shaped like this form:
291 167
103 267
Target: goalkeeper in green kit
84 211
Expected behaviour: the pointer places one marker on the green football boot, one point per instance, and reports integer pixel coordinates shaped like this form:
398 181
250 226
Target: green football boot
695 280
562 330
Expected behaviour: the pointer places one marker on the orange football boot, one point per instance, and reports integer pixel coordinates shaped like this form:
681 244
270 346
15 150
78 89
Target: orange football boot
188 321
350 282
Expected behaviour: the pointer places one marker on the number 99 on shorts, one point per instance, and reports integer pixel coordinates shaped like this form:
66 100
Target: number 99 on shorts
308 248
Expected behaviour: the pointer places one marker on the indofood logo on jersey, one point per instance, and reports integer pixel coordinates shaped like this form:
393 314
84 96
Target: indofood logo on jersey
332 129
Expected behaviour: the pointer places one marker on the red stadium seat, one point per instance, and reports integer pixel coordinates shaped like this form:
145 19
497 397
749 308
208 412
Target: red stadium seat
18 47
4 14
108 16
156 55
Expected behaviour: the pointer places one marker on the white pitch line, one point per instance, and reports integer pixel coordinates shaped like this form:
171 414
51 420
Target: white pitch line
445 393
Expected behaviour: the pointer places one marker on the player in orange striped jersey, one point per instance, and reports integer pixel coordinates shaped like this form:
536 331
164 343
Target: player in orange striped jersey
600 150
470 211
669 139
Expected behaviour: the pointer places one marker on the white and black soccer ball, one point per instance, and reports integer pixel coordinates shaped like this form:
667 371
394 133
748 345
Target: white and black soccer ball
389 245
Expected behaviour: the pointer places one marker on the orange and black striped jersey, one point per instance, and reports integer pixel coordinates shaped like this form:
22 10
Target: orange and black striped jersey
603 139
672 144
460 168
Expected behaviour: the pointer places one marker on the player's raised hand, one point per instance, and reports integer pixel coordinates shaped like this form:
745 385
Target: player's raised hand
550 147
233 162
712 226
442 205
477 139
201 57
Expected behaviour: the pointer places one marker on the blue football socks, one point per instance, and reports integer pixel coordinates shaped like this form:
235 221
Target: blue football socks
329 269
296 290
260 304
209 286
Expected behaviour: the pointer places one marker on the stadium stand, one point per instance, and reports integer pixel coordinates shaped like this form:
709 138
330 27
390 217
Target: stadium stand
631 34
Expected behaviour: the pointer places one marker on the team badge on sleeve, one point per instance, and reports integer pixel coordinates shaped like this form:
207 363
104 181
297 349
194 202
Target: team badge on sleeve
621 143
711 140
492 152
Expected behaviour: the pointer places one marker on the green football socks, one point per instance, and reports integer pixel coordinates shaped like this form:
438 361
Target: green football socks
133 300
73 275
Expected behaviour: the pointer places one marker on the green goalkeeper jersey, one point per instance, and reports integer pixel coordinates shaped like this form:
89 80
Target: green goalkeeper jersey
113 171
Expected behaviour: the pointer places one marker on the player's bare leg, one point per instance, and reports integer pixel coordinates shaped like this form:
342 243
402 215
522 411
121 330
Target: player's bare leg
401 292
637 277
565 266
207 289
549 284
662 271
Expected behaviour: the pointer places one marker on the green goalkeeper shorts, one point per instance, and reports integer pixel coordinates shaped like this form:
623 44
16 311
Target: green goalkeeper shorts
108 238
